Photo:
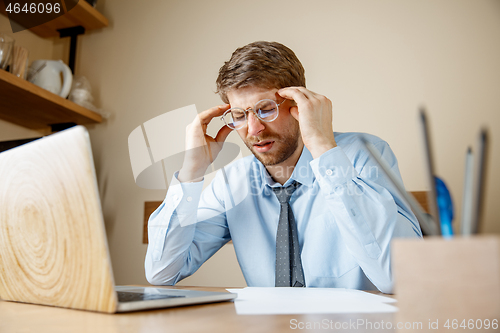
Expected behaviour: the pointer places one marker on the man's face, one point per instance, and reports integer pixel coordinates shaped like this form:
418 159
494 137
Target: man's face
274 142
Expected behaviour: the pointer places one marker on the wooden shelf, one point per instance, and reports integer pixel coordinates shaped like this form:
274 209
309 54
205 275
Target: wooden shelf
28 105
82 14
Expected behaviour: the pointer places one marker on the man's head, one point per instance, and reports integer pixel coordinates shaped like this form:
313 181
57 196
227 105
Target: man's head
255 72
260 64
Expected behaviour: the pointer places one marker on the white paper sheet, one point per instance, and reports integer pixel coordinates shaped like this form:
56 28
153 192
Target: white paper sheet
256 300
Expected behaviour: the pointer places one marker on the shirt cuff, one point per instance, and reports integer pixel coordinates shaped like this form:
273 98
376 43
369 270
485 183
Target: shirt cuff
184 197
333 169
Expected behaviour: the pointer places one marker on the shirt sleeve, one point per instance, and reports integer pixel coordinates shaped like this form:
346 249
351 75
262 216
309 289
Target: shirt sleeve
367 208
184 231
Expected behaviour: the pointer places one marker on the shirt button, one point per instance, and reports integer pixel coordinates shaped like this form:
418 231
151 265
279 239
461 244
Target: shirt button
189 199
329 172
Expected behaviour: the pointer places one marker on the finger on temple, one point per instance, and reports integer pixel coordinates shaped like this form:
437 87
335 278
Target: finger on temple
293 93
308 93
207 115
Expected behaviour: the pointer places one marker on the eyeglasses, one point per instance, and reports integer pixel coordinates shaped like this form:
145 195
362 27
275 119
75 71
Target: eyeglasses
266 110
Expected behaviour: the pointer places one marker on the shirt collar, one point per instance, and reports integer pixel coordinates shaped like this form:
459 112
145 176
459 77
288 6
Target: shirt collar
302 172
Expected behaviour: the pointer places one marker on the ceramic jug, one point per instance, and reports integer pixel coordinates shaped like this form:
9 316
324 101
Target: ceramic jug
49 76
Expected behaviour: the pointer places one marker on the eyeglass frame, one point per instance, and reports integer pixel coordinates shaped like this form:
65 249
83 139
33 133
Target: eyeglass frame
254 112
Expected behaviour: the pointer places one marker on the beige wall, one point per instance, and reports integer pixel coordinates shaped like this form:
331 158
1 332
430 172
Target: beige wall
376 60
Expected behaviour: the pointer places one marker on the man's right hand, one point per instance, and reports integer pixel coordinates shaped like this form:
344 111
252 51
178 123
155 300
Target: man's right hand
202 149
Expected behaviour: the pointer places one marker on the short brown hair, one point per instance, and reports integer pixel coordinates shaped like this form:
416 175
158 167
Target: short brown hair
261 64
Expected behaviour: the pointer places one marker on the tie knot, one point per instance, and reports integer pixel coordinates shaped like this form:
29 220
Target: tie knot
284 193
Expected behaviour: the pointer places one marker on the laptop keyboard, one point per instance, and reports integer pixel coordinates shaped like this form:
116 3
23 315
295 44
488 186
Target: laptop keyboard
124 296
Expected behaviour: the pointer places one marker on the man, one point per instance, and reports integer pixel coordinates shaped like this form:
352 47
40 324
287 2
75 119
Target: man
308 209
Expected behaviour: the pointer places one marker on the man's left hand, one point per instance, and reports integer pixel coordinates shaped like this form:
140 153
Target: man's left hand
314 114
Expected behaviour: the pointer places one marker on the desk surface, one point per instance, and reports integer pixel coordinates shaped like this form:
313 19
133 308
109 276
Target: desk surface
217 317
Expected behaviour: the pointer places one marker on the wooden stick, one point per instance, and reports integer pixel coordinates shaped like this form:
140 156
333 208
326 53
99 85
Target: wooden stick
20 61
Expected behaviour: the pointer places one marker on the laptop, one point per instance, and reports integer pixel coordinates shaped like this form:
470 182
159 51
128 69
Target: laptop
53 246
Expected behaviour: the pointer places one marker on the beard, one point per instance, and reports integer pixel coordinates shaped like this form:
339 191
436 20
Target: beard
284 146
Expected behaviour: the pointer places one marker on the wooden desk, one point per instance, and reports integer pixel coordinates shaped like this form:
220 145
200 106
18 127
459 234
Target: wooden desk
217 317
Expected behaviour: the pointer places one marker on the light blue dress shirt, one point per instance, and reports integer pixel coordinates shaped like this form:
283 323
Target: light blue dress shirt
347 212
